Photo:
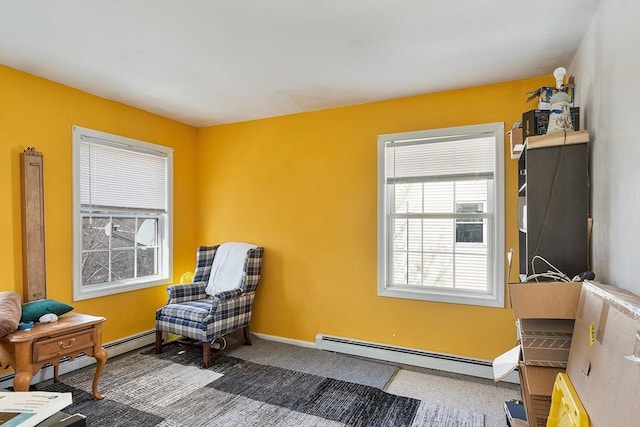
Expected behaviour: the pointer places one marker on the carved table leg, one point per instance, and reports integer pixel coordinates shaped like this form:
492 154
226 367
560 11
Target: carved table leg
22 381
101 360
22 366
56 377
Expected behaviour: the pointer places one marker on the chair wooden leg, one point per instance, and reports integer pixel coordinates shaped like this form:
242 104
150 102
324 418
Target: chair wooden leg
206 354
158 342
247 337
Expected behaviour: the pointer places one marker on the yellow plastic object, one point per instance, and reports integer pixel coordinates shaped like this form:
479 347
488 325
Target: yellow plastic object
172 337
186 278
566 408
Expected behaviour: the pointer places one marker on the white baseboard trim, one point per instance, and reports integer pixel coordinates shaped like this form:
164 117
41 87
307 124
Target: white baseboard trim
291 341
403 355
410 356
113 349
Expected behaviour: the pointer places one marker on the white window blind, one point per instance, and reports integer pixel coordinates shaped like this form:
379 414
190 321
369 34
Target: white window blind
115 176
440 158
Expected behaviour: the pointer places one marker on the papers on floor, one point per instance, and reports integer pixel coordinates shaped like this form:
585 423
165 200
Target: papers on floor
507 362
28 408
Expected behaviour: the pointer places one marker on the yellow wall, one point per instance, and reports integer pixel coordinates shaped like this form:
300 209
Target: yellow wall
39 113
304 186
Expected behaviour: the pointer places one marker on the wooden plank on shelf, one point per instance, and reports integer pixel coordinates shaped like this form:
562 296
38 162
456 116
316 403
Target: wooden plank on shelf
557 139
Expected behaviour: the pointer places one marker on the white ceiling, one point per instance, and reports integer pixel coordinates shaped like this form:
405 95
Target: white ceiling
220 61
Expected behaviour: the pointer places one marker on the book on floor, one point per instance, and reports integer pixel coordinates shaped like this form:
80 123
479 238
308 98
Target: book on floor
28 408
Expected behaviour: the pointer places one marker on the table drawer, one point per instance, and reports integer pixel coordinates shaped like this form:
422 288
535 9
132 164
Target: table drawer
64 345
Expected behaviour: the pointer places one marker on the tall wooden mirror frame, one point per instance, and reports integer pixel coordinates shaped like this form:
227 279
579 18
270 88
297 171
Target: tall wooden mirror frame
34 275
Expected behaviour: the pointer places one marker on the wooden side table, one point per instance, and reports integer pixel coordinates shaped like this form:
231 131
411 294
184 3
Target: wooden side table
71 335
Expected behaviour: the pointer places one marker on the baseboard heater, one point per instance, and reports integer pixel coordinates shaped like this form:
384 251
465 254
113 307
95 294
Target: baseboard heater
408 356
113 349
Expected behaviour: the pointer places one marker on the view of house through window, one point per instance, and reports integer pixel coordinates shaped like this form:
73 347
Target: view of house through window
440 215
122 213
470 230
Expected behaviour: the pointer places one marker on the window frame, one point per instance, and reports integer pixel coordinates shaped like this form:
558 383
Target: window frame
494 297
165 223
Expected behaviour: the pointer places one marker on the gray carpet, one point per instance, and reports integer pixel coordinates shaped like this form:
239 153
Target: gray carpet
437 387
171 390
314 361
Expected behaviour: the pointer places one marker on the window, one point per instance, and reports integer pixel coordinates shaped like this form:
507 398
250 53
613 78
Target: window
440 215
470 230
122 213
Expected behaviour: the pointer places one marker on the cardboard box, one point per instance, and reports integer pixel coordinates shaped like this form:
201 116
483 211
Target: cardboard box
545 342
548 300
536 384
604 361
545 93
552 301
516 140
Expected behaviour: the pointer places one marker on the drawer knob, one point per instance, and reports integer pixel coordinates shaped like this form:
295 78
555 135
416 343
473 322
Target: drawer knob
61 344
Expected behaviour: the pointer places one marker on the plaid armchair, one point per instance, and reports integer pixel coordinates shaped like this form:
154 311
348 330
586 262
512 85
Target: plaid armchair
192 313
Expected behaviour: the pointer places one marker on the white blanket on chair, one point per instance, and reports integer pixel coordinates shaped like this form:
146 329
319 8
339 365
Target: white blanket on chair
227 268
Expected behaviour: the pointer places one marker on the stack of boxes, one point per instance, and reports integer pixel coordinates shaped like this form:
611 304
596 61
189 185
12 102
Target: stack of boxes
592 331
545 314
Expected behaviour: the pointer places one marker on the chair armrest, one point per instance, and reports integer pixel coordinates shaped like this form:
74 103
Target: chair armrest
186 292
224 296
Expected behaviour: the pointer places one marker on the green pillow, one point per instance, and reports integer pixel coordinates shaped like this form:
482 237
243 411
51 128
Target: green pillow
34 310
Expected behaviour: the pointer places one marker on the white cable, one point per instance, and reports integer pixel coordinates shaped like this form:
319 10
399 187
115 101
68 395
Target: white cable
223 345
549 275
558 275
547 262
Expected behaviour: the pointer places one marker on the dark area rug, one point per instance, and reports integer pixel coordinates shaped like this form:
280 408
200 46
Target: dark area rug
172 390
314 361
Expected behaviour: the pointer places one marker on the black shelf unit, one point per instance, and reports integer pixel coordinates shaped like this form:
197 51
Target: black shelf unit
553 208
